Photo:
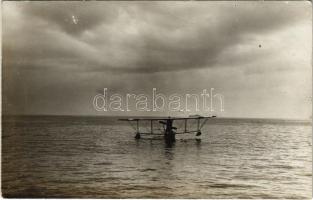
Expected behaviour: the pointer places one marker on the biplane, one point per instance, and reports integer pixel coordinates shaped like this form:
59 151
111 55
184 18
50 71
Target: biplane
165 126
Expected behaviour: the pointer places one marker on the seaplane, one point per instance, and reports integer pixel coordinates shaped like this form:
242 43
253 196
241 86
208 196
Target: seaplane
191 124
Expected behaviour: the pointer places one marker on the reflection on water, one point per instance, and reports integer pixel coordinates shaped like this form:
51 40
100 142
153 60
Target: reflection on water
99 158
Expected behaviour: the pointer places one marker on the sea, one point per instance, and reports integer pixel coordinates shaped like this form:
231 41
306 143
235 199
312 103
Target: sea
98 157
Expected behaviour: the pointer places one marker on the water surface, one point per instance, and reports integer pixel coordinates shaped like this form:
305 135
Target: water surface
98 157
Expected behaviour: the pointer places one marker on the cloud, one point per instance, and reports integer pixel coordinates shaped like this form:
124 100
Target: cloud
73 18
139 36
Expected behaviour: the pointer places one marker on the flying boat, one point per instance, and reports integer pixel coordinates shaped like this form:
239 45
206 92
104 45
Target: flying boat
165 126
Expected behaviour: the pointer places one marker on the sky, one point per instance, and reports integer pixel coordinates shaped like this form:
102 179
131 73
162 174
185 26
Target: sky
57 56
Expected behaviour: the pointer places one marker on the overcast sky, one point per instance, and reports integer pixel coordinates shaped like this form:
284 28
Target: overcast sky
58 55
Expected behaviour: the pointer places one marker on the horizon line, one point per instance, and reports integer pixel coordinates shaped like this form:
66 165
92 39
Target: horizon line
132 116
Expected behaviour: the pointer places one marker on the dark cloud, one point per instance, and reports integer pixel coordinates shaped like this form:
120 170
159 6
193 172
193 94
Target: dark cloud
139 36
71 17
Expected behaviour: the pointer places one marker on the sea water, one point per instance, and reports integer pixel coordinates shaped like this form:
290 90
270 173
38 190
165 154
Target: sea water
98 157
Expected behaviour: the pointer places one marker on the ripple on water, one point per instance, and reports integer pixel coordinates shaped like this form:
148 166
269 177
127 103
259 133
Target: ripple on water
83 158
